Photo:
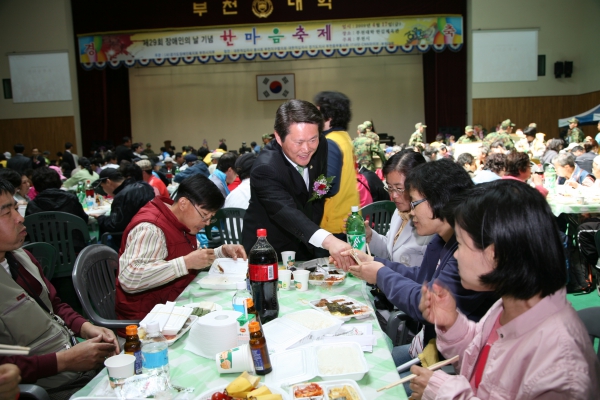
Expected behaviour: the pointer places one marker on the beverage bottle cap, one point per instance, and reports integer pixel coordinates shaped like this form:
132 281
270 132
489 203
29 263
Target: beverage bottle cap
153 327
354 209
131 330
240 285
261 232
249 303
253 327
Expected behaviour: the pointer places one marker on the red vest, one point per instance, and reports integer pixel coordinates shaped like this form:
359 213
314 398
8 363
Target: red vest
179 241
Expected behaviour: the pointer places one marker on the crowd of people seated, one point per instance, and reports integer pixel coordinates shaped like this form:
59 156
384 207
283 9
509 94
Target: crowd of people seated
459 256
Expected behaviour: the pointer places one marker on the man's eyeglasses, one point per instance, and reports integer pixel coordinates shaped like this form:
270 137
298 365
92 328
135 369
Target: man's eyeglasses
209 220
414 204
391 190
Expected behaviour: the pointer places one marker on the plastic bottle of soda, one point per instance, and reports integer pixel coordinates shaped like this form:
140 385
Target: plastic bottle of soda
133 346
259 350
89 190
81 194
355 229
262 270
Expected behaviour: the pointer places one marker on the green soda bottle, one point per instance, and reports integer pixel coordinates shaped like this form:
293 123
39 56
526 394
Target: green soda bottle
355 230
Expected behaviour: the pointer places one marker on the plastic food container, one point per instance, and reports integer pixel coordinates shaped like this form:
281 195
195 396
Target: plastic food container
360 310
336 277
224 274
171 319
310 316
302 364
328 387
282 334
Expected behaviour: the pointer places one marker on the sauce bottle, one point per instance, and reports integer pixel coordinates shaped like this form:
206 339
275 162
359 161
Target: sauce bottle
133 346
259 350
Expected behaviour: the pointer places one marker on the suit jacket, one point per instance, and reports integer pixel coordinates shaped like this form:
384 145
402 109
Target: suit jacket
409 248
279 201
19 163
68 158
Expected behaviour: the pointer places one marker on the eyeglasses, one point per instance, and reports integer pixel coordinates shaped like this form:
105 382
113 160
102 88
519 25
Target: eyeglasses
391 190
210 220
414 204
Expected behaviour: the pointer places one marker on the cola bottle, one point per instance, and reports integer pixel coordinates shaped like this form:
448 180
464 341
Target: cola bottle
262 271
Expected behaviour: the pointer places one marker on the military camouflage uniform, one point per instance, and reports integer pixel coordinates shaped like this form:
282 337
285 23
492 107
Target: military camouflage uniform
373 136
500 135
364 148
466 139
575 135
415 138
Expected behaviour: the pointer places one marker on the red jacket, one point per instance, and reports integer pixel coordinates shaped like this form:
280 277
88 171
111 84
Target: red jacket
179 242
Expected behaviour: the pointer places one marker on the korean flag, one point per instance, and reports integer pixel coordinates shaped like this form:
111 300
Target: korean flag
275 87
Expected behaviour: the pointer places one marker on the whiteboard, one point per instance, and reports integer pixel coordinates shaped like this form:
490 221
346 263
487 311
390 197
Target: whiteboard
505 56
40 77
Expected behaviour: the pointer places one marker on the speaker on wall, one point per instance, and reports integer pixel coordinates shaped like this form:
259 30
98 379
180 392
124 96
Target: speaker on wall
558 69
568 69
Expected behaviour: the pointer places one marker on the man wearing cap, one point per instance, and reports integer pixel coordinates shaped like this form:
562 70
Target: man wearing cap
129 192
167 168
159 187
214 160
148 150
364 150
469 136
574 135
371 135
266 138
501 135
417 136
193 168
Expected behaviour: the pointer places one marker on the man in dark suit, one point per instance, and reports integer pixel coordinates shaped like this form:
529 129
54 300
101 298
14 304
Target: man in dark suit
69 157
124 151
19 162
281 186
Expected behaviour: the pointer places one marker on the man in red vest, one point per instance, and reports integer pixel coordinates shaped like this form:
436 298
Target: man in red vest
159 253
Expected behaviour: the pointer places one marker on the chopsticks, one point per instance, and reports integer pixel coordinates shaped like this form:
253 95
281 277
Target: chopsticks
8 350
431 368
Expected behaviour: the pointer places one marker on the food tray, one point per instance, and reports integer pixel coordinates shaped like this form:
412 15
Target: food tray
186 327
208 394
336 277
327 386
221 282
171 318
224 274
360 310
282 334
311 315
228 266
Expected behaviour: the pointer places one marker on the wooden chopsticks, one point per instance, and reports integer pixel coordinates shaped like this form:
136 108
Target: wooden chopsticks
8 350
431 368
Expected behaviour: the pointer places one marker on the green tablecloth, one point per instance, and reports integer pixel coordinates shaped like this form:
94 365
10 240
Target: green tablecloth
190 370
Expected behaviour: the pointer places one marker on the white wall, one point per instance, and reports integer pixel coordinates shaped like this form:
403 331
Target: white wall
568 31
189 103
38 26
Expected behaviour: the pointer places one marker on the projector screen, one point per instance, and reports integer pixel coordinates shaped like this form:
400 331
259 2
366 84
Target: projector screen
505 56
40 77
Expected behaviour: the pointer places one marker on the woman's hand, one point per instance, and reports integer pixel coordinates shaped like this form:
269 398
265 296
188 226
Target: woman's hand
367 271
419 383
438 306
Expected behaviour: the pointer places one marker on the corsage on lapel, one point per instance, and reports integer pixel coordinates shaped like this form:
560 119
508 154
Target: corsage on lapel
321 186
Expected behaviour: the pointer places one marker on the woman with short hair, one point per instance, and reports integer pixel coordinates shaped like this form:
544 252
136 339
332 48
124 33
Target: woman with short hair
531 344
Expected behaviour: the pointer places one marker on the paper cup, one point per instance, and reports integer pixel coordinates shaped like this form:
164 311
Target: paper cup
288 258
119 367
236 360
285 279
301 279
581 200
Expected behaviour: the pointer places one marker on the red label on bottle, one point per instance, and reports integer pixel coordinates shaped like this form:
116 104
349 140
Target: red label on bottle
263 272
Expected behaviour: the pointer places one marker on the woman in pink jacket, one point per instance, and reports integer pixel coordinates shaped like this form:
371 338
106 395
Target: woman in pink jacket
531 344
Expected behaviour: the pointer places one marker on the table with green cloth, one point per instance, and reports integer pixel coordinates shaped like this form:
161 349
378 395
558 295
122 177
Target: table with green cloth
189 370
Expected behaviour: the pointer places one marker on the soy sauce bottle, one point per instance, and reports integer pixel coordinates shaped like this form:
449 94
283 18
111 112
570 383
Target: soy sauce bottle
262 271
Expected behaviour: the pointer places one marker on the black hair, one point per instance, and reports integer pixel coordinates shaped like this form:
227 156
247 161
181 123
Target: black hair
6 187
577 148
131 170
554 144
202 152
226 161
68 145
201 191
12 176
178 154
2 157
85 164
590 145
439 182
495 162
465 158
126 139
334 106
295 112
223 146
498 143
253 144
243 165
403 162
109 157
517 220
439 137
19 148
45 178
530 131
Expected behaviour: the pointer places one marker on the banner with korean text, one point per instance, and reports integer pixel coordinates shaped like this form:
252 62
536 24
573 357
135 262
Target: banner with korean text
281 39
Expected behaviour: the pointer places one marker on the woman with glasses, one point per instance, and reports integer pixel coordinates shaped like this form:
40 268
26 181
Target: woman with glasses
401 243
432 187
531 344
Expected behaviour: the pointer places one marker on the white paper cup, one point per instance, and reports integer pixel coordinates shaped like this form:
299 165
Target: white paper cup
119 367
285 279
581 200
236 360
301 279
288 258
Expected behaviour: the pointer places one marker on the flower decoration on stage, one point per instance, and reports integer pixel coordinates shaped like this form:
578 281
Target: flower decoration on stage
321 186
